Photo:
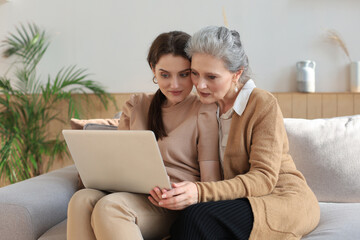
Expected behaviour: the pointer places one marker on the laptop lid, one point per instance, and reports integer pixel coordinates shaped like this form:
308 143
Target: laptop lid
117 160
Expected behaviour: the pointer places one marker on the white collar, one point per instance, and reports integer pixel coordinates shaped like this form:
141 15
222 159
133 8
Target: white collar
243 97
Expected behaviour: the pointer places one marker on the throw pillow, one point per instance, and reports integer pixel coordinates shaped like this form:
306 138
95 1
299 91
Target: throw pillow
327 152
80 123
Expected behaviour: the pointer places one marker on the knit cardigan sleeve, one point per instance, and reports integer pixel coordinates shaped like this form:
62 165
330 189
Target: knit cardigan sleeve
265 148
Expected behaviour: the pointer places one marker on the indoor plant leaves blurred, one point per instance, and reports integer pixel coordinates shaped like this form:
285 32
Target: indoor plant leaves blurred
28 105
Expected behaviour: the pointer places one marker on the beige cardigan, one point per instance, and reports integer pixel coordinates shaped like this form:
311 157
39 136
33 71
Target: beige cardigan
257 166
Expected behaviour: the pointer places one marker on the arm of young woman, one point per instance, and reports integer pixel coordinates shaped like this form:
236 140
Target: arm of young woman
185 193
208 144
124 123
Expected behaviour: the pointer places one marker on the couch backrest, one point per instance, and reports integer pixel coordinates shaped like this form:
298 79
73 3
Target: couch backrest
327 152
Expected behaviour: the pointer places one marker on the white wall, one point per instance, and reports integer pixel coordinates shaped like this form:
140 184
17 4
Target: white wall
111 37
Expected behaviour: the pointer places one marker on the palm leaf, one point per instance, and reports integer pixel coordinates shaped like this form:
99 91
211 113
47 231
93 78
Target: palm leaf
29 47
9 151
5 85
28 105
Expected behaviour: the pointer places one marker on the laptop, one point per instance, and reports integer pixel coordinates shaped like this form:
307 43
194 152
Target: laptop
117 160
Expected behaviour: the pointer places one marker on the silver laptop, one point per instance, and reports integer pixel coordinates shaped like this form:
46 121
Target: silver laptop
116 160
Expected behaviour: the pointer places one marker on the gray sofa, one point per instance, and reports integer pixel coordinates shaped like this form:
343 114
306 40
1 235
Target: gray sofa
326 151
36 208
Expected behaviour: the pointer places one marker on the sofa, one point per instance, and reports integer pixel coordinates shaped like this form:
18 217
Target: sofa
326 151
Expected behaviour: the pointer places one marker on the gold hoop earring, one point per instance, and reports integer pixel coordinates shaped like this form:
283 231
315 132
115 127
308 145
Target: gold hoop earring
155 80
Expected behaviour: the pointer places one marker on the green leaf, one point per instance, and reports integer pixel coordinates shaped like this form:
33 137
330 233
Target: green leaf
33 161
28 106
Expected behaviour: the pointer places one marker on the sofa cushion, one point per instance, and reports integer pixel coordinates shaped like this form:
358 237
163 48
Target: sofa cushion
94 126
80 123
327 152
337 221
58 232
29 208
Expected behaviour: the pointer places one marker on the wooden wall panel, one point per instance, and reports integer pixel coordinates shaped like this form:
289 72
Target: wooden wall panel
299 105
329 105
319 105
314 106
285 103
345 104
357 104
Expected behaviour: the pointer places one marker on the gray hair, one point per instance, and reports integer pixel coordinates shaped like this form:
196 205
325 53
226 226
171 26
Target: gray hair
221 43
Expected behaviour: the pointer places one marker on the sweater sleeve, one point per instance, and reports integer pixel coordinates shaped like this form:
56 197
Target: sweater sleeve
207 145
265 154
127 110
207 125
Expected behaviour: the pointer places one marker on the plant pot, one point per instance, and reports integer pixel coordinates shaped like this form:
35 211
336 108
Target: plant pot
355 76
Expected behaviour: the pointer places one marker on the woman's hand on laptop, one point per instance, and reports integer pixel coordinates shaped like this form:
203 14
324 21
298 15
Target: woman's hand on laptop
155 197
182 195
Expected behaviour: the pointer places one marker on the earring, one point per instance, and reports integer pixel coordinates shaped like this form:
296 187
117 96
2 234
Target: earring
236 89
155 80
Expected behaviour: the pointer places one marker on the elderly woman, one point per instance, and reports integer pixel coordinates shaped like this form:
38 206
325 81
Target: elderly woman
263 195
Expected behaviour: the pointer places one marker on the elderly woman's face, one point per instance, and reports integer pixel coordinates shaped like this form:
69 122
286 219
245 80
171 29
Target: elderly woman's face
210 77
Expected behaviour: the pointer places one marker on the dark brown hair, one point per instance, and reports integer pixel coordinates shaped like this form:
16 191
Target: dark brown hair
166 43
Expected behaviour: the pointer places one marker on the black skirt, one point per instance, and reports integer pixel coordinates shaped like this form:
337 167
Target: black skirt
229 219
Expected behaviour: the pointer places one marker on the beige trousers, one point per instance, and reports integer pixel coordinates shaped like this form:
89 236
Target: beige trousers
93 214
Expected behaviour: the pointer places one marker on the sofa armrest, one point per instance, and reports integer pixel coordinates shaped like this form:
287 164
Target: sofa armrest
29 208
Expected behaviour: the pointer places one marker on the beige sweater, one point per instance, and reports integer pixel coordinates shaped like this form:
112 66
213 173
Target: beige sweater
192 130
257 166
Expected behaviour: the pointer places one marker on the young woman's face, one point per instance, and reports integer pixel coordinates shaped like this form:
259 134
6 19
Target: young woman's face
173 77
210 77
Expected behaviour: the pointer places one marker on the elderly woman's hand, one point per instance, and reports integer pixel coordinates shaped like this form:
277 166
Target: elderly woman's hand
182 195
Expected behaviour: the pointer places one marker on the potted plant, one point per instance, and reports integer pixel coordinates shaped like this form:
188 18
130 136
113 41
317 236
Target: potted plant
28 105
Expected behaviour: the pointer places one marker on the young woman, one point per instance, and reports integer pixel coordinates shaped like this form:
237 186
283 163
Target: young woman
263 195
187 136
